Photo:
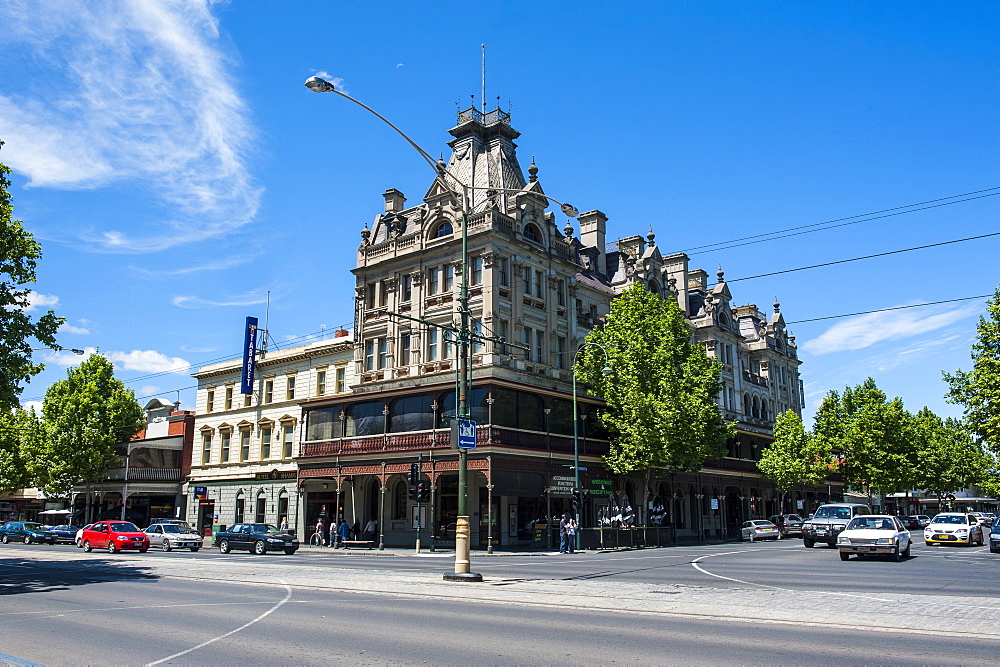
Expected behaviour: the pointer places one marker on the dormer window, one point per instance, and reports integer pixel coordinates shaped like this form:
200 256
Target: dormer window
532 234
444 229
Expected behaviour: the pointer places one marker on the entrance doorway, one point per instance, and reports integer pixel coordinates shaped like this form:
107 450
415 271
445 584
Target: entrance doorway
206 517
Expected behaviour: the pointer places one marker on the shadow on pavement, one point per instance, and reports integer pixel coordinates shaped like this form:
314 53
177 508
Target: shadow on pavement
19 576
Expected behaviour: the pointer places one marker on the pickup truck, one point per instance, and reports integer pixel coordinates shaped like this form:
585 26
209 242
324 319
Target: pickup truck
828 521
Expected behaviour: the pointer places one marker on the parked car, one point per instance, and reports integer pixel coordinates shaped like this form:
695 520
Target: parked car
169 536
177 522
982 518
79 536
65 534
875 534
828 521
759 530
788 524
28 532
911 522
995 536
954 528
115 536
924 520
258 538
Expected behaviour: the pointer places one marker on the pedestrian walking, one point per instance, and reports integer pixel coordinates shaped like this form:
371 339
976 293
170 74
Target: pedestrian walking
356 531
319 530
371 529
333 535
565 545
344 532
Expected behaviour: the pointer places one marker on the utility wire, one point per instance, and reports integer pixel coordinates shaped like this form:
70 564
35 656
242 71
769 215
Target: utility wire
855 259
883 310
829 224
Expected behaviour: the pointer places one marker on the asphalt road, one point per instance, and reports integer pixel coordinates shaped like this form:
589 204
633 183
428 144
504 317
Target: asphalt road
62 606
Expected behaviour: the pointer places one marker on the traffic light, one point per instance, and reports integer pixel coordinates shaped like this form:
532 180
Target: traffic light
423 492
414 474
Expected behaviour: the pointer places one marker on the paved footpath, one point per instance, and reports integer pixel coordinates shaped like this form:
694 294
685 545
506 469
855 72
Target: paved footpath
977 617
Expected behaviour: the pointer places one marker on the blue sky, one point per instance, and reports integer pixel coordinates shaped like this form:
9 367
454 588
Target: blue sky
175 168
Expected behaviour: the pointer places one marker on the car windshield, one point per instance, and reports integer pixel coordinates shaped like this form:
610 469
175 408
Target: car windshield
34 526
264 528
762 523
793 517
173 528
123 527
833 512
870 523
948 519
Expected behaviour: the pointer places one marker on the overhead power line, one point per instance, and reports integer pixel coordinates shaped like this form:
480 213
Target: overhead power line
856 259
884 310
843 222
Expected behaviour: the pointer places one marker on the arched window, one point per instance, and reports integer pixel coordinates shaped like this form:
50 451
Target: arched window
756 408
444 229
532 234
366 419
654 287
746 404
763 408
399 496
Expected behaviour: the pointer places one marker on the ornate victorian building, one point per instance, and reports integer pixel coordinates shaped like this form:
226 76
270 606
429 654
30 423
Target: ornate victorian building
540 288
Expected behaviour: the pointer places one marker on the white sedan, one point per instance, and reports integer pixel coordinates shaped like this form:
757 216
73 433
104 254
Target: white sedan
759 530
875 534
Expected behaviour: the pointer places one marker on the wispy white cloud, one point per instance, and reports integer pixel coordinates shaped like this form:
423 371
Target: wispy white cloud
863 331
65 358
188 348
136 92
192 302
147 390
149 361
32 405
68 328
38 300
217 265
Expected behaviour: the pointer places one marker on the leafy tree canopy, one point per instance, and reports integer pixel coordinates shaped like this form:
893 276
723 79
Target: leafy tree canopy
16 427
662 387
84 416
946 456
978 390
795 456
19 255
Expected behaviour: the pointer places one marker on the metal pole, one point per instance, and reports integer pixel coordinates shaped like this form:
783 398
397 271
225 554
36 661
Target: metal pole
420 472
576 452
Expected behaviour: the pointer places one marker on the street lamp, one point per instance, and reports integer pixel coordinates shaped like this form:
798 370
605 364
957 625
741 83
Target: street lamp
465 334
576 435
59 349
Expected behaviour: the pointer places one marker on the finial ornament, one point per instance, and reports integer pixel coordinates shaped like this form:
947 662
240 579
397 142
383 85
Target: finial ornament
721 274
365 233
568 229
533 170
777 306
650 236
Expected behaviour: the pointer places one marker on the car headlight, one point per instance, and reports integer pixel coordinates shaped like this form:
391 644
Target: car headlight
123 538
843 540
884 540
962 531
274 539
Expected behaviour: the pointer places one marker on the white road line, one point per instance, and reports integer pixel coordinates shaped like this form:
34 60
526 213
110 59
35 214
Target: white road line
698 567
288 596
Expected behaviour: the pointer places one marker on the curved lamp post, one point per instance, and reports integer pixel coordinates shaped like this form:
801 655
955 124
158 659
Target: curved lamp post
59 349
576 435
465 334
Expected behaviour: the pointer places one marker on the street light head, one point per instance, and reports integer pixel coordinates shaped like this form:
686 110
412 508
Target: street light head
76 351
318 85
607 370
570 211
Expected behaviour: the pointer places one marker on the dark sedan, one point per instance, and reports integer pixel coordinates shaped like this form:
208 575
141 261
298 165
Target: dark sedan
995 536
258 538
65 534
911 522
27 532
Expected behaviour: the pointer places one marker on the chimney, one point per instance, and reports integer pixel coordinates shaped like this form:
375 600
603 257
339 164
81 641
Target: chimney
340 333
593 229
394 200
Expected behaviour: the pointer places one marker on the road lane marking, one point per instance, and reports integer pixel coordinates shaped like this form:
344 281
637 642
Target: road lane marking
288 596
696 566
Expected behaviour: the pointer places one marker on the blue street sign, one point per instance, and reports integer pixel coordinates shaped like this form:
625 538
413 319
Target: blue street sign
466 434
582 469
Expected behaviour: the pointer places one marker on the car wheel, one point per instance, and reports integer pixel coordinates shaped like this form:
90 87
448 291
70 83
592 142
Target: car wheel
995 550
86 546
896 557
27 539
166 545
844 555
289 551
224 546
906 552
5 539
112 549
195 548
259 548
808 544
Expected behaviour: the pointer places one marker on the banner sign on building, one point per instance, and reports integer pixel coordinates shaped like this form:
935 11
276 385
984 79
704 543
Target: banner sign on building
249 356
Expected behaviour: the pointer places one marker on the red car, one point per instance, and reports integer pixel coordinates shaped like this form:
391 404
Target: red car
115 536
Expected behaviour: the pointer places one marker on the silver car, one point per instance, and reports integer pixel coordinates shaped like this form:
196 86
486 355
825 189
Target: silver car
169 536
759 530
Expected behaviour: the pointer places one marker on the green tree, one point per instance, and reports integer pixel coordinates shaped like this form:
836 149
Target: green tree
979 390
946 456
870 435
795 456
19 255
16 427
661 391
84 416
